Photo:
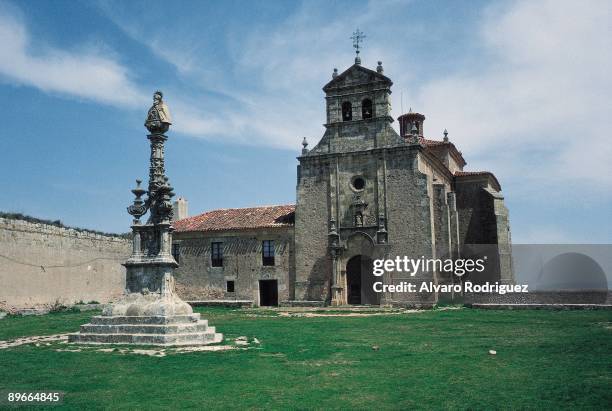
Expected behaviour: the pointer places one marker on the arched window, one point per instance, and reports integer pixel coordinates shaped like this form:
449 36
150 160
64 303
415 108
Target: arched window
366 108
347 111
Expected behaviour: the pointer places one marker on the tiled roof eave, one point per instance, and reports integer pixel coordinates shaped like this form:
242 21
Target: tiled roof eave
232 219
467 174
230 228
452 148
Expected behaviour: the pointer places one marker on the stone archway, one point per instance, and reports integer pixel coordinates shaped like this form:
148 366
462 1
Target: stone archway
359 281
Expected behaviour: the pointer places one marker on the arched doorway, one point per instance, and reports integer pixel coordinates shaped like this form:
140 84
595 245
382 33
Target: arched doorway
359 281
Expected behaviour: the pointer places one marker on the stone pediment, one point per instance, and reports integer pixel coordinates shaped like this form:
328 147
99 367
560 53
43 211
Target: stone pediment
357 75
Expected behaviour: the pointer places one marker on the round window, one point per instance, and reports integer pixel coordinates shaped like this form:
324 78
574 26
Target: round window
358 183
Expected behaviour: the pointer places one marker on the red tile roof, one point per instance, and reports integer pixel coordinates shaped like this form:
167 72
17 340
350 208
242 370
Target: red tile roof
437 143
432 143
471 173
478 173
239 219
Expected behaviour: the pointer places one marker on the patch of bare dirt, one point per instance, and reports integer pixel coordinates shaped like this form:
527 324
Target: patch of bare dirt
46 340
207 348
345 314
324 363
153 352
38 340
7 308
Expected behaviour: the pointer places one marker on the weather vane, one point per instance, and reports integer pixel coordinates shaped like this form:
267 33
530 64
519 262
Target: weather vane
357 38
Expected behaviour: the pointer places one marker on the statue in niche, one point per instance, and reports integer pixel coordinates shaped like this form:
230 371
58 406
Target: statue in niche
358 207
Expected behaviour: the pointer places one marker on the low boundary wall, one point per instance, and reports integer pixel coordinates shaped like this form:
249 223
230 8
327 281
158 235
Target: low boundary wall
42 263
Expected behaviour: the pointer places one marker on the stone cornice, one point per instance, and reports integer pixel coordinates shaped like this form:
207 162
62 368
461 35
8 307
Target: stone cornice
373 151
352 93
387 119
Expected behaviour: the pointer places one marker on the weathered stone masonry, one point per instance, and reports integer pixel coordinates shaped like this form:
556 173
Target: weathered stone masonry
365 192
41 263
242 263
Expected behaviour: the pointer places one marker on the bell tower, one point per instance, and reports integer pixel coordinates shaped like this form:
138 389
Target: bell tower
358 111
358 94
341 208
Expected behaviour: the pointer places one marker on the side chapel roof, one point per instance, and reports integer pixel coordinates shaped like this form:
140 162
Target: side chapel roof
239 219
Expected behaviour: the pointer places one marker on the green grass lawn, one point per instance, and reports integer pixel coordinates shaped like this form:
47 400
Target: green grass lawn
430 360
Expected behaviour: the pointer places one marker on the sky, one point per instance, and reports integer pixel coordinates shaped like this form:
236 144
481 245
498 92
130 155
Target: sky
523 88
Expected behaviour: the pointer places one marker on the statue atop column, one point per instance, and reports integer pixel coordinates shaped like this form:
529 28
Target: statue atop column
155 237
151 312
158 118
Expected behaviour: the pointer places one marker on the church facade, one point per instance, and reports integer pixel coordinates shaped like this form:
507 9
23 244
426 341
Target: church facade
364 193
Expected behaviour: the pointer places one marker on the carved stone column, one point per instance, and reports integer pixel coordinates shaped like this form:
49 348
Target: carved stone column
335 250
150 312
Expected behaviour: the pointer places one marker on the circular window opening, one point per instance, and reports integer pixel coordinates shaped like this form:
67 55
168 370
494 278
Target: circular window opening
358 183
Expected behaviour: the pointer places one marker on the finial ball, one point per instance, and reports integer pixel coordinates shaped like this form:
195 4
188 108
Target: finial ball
304 146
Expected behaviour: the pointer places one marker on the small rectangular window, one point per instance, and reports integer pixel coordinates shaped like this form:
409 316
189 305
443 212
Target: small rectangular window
216 254
176 252
267 252
229 286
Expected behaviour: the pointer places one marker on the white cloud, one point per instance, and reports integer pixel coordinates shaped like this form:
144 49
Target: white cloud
535 102
276 79
546 86
88 74
294 60
538 96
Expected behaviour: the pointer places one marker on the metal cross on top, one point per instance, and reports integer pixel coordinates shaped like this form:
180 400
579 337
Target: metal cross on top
357 38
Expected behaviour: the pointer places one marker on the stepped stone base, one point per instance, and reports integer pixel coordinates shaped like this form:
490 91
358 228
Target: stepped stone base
161 321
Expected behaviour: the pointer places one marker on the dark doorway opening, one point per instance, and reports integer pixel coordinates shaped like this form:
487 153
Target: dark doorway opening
268 293
360 281
353 280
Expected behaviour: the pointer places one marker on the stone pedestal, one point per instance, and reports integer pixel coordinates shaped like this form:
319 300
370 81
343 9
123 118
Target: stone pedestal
150 312
148 319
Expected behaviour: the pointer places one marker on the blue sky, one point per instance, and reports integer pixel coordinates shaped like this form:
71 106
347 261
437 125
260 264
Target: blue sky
522 86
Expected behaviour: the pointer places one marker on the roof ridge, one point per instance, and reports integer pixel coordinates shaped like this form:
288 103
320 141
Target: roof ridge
471 172
461 173
437 141
355 66
246 208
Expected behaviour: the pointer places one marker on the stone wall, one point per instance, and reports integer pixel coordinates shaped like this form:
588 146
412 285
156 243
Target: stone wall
197 279
312 262
41 264
477 212
484 219
409 220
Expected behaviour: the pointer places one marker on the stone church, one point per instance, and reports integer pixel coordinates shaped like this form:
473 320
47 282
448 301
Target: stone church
364 192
